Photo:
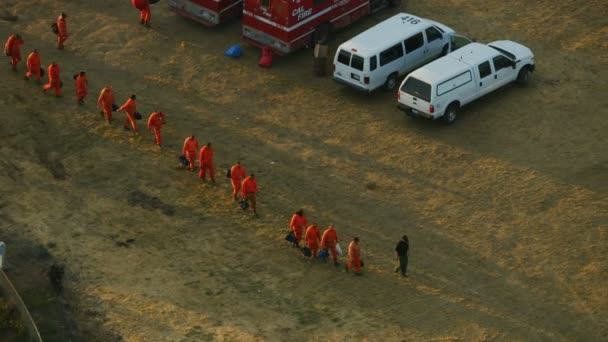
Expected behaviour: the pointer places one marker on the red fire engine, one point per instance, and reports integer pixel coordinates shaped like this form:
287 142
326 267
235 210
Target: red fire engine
207 12
287 25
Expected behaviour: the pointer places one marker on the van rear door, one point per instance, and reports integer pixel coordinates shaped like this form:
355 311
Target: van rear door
349 67
416 94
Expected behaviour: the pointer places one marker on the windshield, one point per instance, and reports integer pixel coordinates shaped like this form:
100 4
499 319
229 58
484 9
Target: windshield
504 52
416 87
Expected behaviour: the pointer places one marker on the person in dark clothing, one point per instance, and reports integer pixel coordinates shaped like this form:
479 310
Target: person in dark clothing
402 250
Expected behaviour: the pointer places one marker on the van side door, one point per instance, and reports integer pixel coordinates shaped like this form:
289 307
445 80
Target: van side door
434 43
414 52
504 71
485 79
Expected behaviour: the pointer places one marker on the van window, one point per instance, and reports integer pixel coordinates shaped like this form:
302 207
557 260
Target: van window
416 87
357 62
453 83
391 54
484 69
432 34
372 63
344 57
414 42
501 62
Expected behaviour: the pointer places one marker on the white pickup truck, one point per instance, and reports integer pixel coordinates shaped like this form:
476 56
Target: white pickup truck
439 89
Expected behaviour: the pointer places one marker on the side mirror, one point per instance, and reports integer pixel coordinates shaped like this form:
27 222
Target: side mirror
513 64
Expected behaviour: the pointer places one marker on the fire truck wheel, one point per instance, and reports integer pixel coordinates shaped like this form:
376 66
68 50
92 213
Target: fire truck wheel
394 3
322 34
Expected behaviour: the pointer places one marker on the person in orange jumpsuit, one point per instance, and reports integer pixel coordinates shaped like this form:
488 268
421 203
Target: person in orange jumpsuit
106 99
81 87
237 174
130 107
155 122
354 256
189 150
206 160
249 190
12 48
313 237
297 226
54 81
329 241
62 30
33 65
145 14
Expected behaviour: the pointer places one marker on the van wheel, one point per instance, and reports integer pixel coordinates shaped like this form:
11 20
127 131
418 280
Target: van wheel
391 82
322 34
524 76
394 3
450 114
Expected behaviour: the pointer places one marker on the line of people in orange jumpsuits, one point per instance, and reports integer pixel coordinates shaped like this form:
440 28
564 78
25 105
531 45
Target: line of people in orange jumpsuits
241 183
328 241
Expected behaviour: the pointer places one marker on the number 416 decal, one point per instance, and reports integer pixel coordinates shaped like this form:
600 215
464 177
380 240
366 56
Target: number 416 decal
411 20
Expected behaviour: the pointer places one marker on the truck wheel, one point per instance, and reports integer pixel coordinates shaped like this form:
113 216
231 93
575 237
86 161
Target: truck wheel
450 114
322 34
394 3
523 76
391 82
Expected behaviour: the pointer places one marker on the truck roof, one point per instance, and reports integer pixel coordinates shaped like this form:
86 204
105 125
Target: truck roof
455 63
381 35
440 70
473 53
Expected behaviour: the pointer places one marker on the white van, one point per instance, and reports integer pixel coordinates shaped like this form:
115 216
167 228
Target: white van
378 56
439 89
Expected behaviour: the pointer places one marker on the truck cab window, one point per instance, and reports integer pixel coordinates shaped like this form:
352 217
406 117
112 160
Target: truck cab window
432 34
484 69
414 42
501 62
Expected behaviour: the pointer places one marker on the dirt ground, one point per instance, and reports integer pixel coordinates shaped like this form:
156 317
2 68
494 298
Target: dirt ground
506 210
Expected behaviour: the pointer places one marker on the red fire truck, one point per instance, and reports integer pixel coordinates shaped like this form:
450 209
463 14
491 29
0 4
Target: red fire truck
287 25
207 12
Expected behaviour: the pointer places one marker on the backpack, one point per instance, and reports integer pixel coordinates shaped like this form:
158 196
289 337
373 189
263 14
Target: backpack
55 28
290 237
183 160
228 175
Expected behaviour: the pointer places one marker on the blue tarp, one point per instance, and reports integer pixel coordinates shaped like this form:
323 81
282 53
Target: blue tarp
234 51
